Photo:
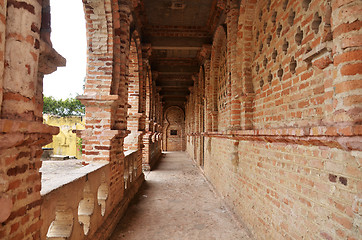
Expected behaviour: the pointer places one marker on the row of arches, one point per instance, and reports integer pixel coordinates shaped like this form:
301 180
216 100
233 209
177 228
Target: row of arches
242 73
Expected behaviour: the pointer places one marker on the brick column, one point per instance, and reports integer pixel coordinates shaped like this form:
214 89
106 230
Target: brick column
146 164
245 52
25 58
233 64
105 94
3 12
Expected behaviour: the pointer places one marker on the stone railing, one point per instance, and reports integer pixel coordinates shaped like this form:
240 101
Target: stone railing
131 166
75 195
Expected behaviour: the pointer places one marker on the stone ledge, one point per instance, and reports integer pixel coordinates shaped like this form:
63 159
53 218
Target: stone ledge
56 174
16 126
106 132
320 131
101 98
343 137
317 51
129 152
49 59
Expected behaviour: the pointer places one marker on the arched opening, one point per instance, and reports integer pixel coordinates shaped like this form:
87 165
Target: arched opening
219 103
61 87
174 127
67 81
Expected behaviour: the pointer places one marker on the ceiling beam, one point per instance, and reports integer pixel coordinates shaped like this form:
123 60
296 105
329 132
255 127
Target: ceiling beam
182 48
174 99
174 93
176 31
181 74
174 61
171 69
175 83
181 90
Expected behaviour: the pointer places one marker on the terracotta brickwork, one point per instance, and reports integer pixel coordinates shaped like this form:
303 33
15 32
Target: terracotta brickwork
286 153
22 134
266 98
115 83
135 85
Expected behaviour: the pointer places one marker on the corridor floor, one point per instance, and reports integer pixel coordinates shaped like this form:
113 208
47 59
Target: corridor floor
176 203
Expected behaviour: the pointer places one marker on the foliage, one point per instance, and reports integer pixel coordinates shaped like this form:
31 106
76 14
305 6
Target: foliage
80 145
67 107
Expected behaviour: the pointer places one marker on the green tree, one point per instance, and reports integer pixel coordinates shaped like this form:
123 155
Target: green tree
67 107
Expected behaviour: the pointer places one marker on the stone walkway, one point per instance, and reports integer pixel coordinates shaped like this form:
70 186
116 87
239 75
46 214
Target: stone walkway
177 203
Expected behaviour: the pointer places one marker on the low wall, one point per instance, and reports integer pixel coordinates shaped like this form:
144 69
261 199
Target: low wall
76 197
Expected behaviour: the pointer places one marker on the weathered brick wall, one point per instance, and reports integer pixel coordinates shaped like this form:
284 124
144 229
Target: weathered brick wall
3 9
294 171
289 90
286 191
22 134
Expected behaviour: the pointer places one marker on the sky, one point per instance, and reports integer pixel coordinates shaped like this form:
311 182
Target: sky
69 40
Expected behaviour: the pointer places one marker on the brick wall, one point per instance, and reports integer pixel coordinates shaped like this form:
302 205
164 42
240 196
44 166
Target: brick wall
277 128
174 127
284 191
288 159
27 54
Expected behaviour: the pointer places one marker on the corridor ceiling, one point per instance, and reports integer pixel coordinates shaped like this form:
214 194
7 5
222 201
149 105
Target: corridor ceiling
180 33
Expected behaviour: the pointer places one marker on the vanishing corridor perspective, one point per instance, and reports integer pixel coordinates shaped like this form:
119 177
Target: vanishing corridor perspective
265 96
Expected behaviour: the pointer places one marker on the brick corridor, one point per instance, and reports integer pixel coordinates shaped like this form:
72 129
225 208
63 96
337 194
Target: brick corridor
177 203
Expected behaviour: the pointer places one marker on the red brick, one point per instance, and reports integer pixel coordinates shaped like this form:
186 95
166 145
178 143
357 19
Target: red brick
352 69
347 86
348 57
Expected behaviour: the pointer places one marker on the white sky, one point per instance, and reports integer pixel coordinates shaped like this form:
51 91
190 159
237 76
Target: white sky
69 40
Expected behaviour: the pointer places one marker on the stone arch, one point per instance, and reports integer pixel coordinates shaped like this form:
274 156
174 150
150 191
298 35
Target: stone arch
174 129
105 94
219 77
